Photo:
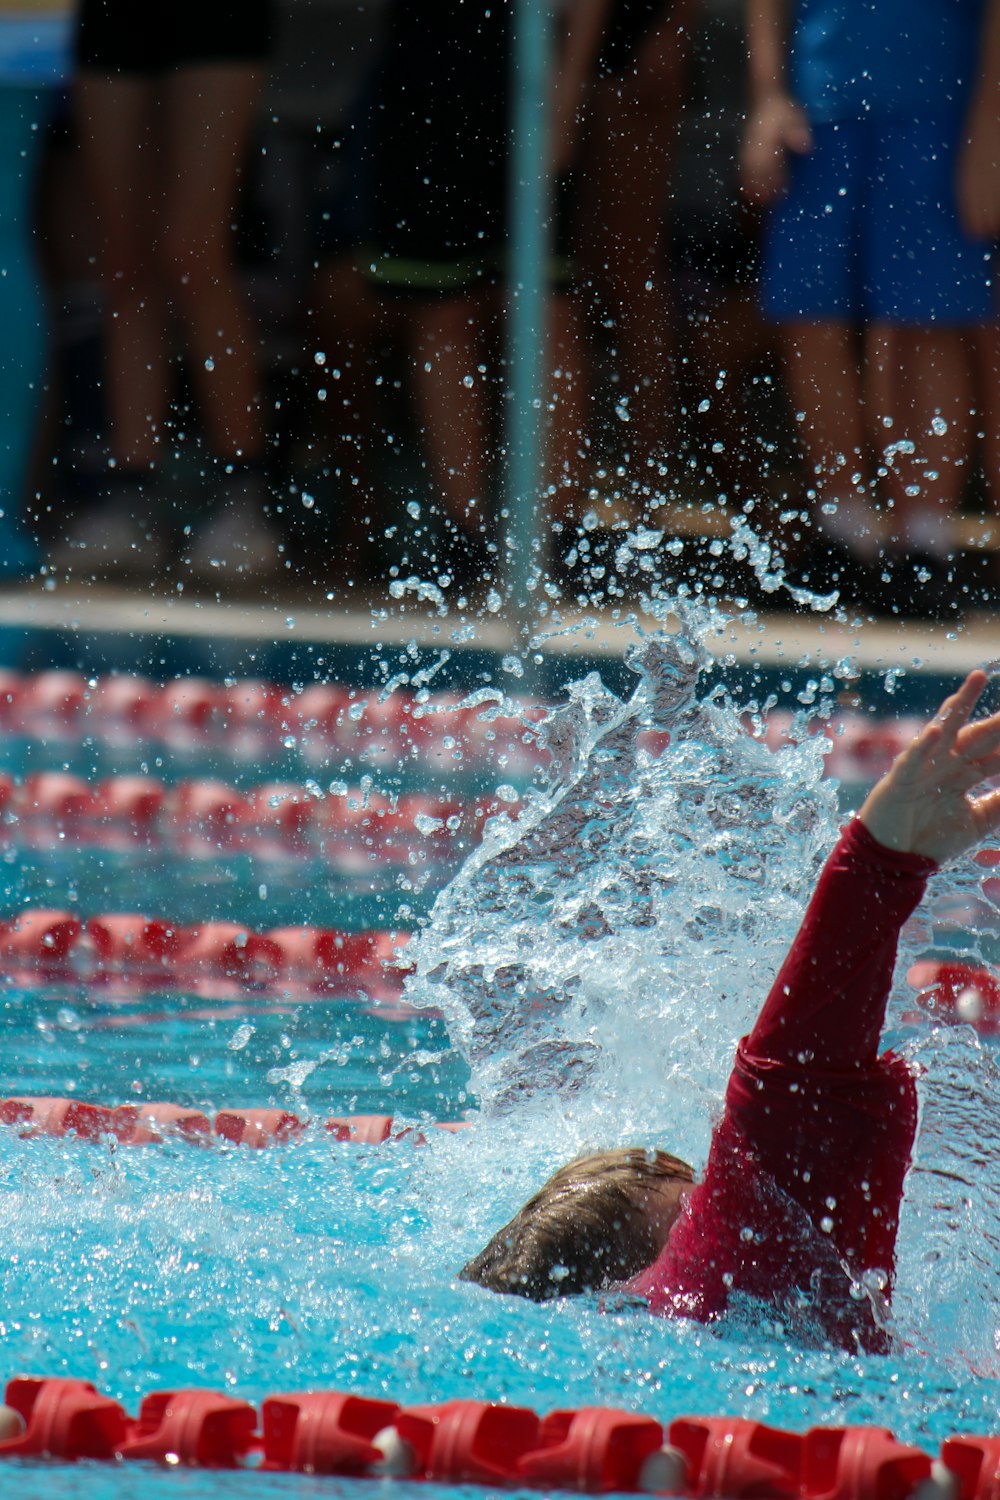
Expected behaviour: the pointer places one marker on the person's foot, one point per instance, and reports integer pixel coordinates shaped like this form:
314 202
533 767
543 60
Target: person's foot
239 540
123 533
234 543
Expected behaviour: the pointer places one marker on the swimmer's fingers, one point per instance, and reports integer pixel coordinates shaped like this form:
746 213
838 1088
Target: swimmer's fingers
986 813
954 712
960 768
978 745
921 753
931 754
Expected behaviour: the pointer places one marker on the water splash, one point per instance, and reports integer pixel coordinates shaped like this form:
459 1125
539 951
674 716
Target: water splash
612 943
597 959
769 568
948 1277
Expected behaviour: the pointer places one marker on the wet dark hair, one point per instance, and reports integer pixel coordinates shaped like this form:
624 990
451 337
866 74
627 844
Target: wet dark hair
583 1231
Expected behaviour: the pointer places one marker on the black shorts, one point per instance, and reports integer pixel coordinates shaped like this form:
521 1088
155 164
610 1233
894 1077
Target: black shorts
439 151
121 36
434 260
627 26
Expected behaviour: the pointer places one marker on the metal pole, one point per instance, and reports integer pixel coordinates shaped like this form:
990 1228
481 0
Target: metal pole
529 200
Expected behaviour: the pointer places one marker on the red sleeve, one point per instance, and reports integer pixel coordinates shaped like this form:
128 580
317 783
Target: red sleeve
807 1164
827 1005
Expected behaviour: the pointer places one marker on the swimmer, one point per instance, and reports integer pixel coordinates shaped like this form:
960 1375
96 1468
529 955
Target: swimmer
798 1206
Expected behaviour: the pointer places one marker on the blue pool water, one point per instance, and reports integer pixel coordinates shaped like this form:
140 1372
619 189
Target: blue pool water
665 890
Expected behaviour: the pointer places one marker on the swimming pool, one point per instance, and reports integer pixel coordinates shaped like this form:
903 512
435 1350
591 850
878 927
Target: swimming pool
328 1264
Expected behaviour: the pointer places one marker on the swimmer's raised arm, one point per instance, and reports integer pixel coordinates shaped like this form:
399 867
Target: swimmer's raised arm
812 1110
924 803
829 997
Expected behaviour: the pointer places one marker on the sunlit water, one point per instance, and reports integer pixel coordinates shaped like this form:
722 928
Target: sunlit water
594 964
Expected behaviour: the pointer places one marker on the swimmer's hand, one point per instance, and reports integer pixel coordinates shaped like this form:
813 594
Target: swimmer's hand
925 803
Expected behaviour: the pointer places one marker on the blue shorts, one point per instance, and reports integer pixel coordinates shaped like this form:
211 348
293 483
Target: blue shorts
869 232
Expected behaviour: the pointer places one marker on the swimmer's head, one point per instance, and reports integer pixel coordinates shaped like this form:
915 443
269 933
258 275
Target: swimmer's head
598 1221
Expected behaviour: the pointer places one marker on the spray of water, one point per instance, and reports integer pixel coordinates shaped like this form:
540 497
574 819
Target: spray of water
611 944
597 959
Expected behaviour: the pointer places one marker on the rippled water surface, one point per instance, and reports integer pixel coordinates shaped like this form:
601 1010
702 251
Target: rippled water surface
580 983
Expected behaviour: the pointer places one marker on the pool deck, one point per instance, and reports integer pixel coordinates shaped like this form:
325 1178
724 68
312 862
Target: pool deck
773 640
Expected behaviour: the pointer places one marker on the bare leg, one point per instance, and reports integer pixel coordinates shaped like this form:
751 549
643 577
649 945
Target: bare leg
931 392
450 393
346 322
350 322
566 406
877 377
987 357
823 372
119 159
621 252
207 117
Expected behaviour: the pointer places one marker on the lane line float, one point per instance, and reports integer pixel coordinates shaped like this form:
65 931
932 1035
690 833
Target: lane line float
591 1450
153 1123
958 993
451 729
860 748
154 952
446 728
205 815
153 949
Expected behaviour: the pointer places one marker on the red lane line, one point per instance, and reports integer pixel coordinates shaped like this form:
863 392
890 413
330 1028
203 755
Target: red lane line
953 991
592 1450
152 949
204 816
860 748
150 1124
331 717
443 728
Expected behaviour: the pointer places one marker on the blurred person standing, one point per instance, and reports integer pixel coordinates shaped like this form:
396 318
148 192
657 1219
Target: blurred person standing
874 138
623 172
34 60
165 106
439 245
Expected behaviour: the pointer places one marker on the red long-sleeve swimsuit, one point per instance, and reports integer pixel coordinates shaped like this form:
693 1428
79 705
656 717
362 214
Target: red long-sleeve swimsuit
799 1204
